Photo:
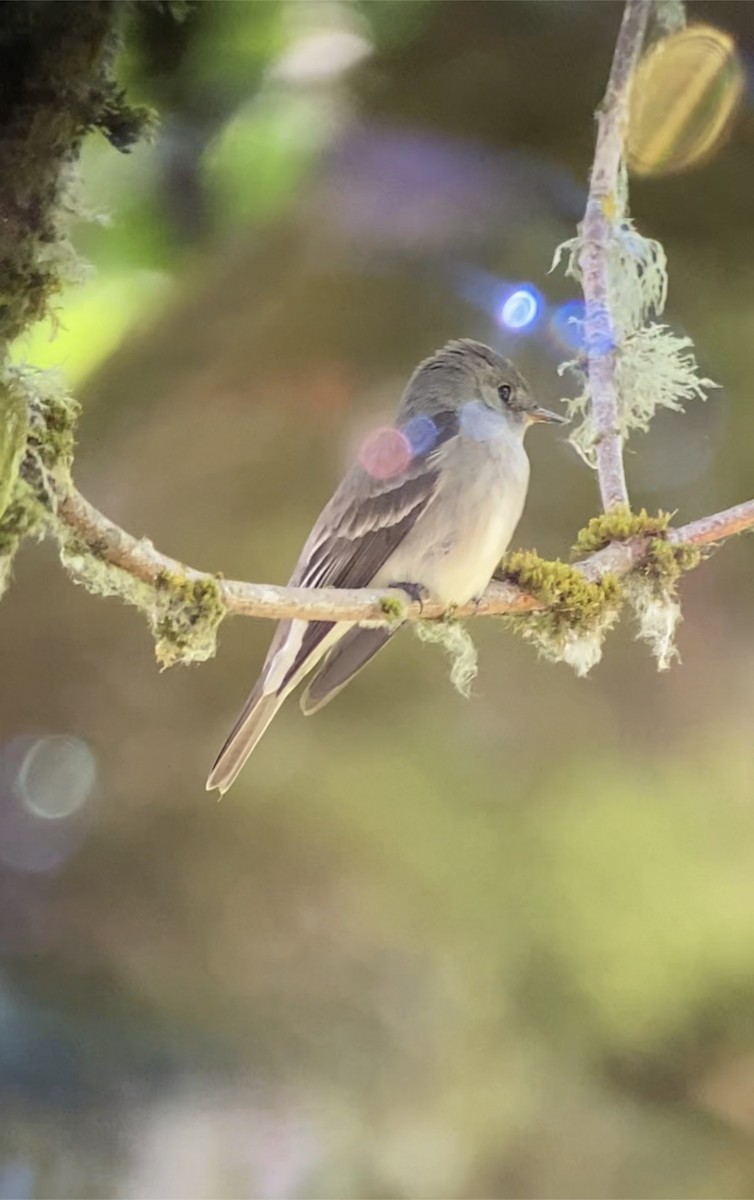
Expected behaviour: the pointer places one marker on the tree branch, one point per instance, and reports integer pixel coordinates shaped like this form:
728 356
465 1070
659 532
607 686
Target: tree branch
716 527
184 606
604 204
138 558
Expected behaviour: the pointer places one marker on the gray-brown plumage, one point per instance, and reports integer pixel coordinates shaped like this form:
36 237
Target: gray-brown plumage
433 504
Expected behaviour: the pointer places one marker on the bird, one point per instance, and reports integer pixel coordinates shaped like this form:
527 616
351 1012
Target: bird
430 505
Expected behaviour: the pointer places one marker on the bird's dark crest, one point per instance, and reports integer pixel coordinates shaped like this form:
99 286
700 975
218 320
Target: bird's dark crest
462 353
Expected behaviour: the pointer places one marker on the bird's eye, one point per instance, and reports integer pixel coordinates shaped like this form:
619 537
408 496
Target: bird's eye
504 392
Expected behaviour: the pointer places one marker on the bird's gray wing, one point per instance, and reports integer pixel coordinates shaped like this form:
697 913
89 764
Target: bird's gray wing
350 553
364 522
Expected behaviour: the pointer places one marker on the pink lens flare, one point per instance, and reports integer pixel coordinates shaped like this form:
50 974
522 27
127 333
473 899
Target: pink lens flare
386 453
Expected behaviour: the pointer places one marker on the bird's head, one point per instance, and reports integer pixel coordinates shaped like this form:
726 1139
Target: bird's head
499 384
465 371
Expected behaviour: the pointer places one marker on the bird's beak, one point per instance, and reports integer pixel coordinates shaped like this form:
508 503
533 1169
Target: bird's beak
544 414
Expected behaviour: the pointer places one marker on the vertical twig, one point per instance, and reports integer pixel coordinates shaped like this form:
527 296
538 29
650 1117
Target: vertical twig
605 205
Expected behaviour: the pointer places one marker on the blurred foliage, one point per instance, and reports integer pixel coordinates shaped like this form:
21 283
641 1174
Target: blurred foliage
429 947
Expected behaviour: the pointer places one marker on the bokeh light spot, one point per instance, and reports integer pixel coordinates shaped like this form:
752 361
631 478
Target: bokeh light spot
56 776
684 96
386 453
322 55
521 309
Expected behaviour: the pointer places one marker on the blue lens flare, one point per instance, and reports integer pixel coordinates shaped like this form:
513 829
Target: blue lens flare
567 325
421 432
517 307
521 309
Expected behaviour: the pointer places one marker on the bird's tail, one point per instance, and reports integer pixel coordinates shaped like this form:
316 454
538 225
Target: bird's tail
296 649
243 737
346 659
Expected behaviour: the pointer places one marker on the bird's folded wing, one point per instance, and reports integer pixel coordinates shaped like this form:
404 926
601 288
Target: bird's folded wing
366 520
364 523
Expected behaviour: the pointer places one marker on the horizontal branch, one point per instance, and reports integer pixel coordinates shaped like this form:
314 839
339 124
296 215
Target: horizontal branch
138 558
716 527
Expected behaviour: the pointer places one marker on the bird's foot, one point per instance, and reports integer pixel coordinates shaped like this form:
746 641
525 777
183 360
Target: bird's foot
415 591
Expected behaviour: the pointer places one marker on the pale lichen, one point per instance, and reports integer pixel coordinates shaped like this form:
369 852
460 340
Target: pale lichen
637 270
652 594
456 640
654 367
183 612
100 577
658 614
670 15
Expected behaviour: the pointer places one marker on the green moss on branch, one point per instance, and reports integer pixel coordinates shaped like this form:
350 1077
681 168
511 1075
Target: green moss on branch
666 561
13 431
55 63
185 618
578 615
620 524
47 414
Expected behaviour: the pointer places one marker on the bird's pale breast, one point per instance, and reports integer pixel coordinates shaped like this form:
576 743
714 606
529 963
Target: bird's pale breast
460 538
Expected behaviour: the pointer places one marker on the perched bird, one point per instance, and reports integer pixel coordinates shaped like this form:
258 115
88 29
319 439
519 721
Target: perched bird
430 505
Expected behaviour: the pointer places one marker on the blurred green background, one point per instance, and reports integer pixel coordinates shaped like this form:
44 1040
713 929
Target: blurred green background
426 947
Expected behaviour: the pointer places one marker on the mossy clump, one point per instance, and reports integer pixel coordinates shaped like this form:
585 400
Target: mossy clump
563 588
37 455
52 415
184 618
619 524
18 521
123 124
14 424
666 561
579 612
393 608
22 518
